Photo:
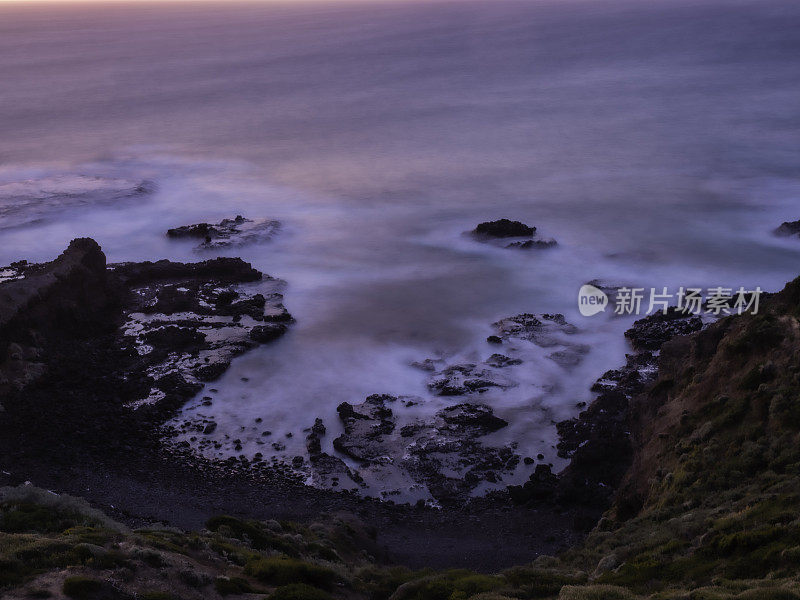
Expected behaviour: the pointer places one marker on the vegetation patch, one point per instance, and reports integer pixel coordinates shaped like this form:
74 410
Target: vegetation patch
284 570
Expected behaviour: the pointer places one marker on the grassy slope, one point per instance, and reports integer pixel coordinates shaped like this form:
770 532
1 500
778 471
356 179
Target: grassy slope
710 509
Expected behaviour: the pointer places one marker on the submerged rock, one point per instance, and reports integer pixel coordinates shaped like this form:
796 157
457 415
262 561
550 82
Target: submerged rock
364 428
467 378
788 228
228 232
35 200
545 330
533 244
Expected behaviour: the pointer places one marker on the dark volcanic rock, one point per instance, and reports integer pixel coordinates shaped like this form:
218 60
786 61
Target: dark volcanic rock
70 296
228 232
364 429
788 228
174 337
466 378
267 333
199 230
503 228
218 270
193 319
651 332
472 419
327 470
497 232
181 324
501 360
540 487
443 454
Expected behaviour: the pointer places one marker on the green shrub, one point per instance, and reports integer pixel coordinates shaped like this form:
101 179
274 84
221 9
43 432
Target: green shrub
284 570
226 586
32 518
381 583
252 532
32 509
81 588
452 585
594 592
12 572
158 595
768 593
469 585
430 588
539 583
299 591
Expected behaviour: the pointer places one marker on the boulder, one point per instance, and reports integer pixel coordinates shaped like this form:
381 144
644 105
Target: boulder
788 228
503 228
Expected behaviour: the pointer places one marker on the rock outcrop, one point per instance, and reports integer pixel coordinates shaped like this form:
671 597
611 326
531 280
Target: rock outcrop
504 228
501 231
788 229
443 455
188 321
42 304
228 232
170 325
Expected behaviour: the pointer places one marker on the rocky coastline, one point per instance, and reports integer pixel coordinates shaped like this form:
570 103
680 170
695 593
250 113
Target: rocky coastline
124 346
96 357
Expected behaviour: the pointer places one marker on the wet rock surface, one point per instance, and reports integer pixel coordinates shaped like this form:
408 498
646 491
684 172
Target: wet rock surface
443 456
468 378
651 332
327 470
228 232
446 455
187 322
546 331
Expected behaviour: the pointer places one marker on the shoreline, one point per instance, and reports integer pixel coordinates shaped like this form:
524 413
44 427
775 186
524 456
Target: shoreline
87 444
98 448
